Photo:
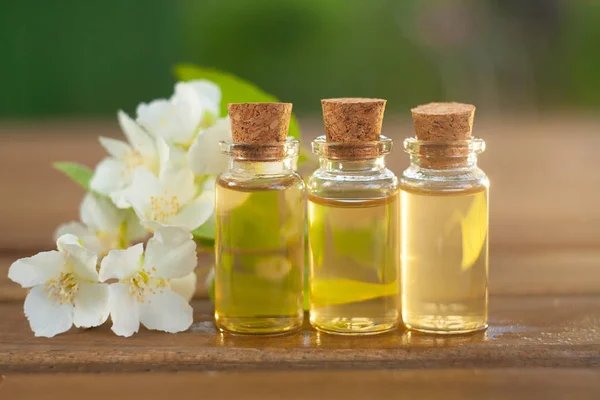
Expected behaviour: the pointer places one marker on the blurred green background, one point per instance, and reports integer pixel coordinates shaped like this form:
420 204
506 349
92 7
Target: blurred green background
70 58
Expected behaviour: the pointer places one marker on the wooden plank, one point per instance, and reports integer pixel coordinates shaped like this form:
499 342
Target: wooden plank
542 331
448 384
513 271
545 184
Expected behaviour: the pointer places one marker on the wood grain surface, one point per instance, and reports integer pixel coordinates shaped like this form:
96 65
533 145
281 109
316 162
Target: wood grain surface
459 384
540 331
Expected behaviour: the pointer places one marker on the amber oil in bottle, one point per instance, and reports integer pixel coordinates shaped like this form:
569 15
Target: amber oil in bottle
353 223
260 223
444 224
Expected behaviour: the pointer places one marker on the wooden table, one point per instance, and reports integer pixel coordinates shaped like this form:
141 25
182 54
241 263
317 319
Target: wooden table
543 342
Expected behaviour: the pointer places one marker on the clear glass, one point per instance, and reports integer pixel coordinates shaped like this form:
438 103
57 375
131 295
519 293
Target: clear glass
259 242
353 228
444 237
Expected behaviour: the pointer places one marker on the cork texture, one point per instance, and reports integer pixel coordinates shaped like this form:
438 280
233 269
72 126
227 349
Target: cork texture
352 121
256 124
444 123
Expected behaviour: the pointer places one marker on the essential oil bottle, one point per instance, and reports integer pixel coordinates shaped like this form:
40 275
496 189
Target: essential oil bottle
353 223
444 223
260 225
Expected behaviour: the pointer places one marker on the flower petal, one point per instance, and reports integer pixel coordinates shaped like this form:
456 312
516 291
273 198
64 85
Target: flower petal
166 311
100 214
82 260
67 239
138 138
134 230
91 305
179 182
110 175
172 252
185 286
119 198
118 149
38 269
190 109
88 238
144 185
171 157
162 118
124 310
195 213
207 91
205 156
121 264
47 317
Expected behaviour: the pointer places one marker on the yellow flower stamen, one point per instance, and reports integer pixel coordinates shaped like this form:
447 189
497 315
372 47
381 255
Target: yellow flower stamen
64 288
143 282
163 206
133 159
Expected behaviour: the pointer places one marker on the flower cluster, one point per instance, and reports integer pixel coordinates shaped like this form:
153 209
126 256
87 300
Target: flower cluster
159 181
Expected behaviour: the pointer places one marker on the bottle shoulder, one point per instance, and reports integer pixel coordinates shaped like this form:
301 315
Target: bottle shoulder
422 179
368 185
233 180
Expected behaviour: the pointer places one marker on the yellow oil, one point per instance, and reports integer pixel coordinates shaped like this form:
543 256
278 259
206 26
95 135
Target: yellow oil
259 256
445 260
354 264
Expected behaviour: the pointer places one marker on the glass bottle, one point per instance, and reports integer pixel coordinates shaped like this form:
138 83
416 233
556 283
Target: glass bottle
444 223
260 228
353 223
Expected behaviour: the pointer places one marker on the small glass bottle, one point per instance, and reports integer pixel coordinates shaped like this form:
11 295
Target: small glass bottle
260 225
444 214
353 223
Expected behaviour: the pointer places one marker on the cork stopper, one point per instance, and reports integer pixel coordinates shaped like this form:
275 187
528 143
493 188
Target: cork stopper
261 126
354 123
444 123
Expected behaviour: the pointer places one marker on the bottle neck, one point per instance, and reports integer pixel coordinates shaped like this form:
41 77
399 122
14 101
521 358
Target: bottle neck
443 163
459 155
257 167
352 166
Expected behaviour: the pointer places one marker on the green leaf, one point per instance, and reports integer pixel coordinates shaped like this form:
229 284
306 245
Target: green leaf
233 88
206 230
77 172
202 242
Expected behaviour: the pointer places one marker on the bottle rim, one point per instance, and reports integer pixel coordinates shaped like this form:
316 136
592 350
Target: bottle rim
450 149
269 152
360 150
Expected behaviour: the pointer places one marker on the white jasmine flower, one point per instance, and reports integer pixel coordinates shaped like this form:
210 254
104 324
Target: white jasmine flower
65 288
185 286
171 156
115 172
143 292
193 106
103 226
205 156
171 200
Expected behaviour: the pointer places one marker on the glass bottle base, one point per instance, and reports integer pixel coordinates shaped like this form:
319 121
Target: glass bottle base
353 326
445 324
258 325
